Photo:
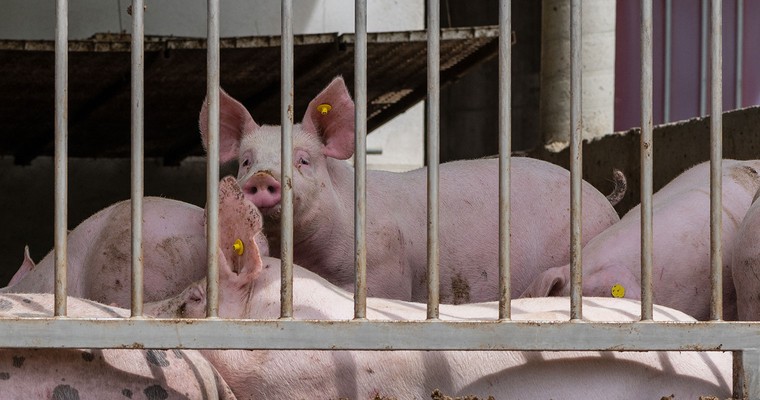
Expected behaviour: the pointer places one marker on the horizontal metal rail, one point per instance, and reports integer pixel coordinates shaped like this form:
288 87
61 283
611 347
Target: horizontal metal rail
377 335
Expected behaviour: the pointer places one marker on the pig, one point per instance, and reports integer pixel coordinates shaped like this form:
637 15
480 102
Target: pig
69 374
99 254
745 264
249 287
396 230
681 245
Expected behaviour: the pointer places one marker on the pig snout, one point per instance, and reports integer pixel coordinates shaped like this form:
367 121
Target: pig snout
263 190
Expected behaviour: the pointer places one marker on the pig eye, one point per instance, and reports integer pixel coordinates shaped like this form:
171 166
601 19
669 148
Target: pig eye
301 161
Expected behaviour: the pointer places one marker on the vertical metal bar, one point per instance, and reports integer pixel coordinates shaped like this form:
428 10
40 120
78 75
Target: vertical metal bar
360 159
739 51
646 159
703 61
137 156
505 150
433 128
576 162
746 374
61 152
212 167
668 59
716 160
286 117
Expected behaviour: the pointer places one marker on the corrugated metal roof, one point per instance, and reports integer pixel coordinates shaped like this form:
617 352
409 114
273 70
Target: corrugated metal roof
175 85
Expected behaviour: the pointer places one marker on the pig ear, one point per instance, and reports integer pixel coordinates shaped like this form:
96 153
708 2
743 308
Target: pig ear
26 266
547 283
234 122
331 116
236 270
239 222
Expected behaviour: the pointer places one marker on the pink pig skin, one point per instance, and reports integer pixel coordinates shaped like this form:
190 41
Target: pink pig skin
681 244
100 373
745 264
323 191
249 287
99 254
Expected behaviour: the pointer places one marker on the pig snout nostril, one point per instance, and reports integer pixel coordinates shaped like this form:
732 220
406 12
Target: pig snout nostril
271 189
254 190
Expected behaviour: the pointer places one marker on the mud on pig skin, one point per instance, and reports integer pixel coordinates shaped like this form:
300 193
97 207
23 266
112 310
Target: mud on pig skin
249 287
73 374
323 190
681 244
99 254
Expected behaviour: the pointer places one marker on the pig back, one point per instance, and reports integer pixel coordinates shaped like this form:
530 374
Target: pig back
469 223
100 259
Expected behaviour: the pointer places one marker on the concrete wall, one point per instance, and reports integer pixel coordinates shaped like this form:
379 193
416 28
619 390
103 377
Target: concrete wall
677 147
597 70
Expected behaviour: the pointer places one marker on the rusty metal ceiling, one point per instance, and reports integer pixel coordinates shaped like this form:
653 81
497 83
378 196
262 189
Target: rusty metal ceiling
175 85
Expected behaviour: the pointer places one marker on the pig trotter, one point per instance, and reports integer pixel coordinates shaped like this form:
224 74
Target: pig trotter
620 187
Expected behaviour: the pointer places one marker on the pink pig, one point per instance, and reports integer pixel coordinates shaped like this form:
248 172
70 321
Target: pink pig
323 187
250 288
745 265
69 374
681 245
99 251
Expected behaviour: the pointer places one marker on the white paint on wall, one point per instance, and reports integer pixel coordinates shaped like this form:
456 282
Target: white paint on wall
35 19
401 143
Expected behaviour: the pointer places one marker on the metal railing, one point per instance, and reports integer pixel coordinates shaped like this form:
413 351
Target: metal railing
502 333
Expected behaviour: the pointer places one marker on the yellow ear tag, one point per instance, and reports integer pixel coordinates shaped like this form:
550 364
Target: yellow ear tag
618 290
238 246
324 108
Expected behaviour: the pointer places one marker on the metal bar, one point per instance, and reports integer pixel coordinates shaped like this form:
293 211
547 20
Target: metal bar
505 151
433 139
739 52
212 165
716 161
360 159
746 374
137 156
576 162
377 335
668 60
703 61
646 159
61 153
286 118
